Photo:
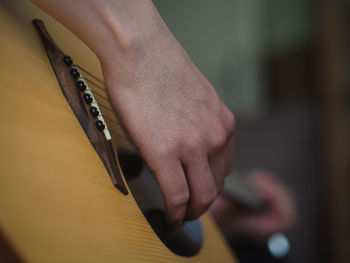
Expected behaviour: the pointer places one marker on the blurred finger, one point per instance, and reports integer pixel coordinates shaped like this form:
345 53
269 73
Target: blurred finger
173 184
202 187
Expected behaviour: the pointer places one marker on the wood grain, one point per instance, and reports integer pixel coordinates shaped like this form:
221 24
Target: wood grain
56 202
74 97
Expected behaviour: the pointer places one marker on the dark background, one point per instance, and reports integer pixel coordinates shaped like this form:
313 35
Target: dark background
283 67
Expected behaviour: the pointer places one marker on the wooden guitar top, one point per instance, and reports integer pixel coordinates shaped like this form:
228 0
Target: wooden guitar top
57 203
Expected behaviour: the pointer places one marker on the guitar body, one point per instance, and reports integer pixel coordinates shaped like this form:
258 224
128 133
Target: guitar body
57 203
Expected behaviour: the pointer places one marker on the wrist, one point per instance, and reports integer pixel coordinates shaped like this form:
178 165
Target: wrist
111 28
129 28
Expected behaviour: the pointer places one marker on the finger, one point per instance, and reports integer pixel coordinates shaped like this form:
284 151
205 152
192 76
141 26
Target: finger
218 166
221 164
202 186
221 158
229 120
230 153
173 184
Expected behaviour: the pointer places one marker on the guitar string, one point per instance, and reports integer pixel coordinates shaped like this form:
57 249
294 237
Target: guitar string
105 116
103 89
97 94
90 74
101 96
98 86
102 105
105 106
104 95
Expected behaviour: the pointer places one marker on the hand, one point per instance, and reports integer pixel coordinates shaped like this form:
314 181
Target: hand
173 114
278 217
171 111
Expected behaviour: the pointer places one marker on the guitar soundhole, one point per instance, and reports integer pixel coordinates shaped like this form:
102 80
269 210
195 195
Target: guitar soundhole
185 240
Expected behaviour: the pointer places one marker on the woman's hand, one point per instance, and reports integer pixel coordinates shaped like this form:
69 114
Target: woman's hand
171 111
177 121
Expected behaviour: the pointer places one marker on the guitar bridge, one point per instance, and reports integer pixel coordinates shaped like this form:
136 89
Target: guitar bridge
83 103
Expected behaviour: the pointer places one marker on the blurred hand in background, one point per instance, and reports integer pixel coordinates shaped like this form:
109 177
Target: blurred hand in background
279 215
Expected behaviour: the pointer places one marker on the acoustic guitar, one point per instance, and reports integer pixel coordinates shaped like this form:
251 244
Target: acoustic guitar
72 186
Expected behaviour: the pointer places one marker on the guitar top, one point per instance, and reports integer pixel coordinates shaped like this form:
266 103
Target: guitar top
57 200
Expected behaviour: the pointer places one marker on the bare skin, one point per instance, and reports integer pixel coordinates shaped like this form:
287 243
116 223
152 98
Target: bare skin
280 215
172 112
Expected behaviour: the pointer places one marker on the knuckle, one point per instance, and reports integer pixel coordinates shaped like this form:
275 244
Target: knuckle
179 199
201 203
219 138
168 149
194 142
208 198
175 217
171 150
231 122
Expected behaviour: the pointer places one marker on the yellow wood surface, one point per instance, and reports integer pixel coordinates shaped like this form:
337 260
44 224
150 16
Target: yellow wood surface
57 203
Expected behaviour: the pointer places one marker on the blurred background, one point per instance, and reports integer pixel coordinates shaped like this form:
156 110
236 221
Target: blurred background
283 67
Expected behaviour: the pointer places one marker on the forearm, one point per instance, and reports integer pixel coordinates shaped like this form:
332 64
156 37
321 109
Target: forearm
109 27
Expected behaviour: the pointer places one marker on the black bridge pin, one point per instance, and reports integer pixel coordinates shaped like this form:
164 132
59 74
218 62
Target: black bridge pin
94 112
87 98
75 73
80 85
68 60
100 125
